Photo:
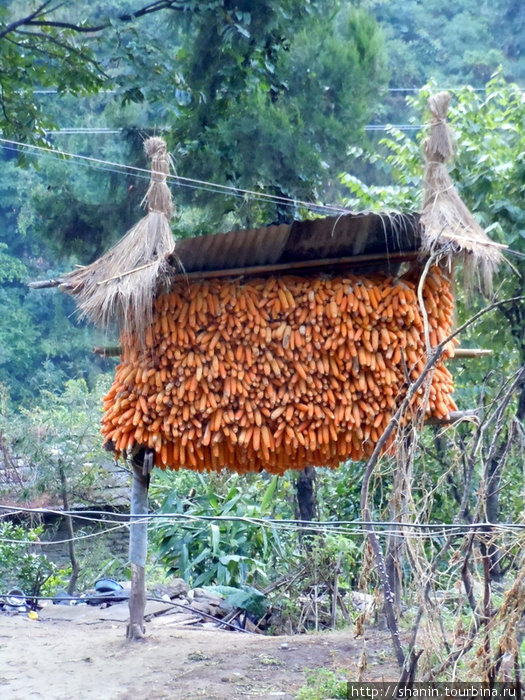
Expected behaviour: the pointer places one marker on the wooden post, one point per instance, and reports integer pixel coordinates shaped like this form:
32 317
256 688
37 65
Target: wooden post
467 353
138 545
70 531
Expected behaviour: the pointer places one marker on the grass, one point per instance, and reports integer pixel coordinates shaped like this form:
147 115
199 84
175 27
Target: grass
321 684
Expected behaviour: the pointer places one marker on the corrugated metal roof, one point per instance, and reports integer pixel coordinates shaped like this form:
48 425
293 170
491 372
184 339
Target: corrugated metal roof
328 239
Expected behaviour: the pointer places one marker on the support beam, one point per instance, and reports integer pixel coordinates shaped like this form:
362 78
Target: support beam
462 353
459 353
454 417
109 351
347 261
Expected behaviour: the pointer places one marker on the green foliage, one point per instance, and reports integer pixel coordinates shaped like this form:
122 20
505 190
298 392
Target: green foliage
60 432
22 565
245 598
11 269
36 57
41 342
41 346
331 551
227 552
277 109
338 491
455 44
489 172
323 684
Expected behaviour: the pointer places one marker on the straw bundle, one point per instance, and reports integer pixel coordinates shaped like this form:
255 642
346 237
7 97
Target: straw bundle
121 285
448 227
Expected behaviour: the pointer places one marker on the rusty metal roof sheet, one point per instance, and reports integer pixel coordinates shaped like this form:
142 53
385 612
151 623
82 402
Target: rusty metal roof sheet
379 236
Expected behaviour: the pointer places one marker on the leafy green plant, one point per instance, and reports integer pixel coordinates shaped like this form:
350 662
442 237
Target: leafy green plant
321 684
23 566
245 598
59 439
226 552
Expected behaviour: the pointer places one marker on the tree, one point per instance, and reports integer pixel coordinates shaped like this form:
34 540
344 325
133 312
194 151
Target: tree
455 44
58 438
277 120
54 46
234 84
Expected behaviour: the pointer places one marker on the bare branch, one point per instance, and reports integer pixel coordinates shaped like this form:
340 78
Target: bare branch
45 284
64 45
32 21
432 358
24 20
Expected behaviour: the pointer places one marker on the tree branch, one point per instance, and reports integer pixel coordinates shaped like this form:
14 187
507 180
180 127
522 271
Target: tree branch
24 20
32 21
64 45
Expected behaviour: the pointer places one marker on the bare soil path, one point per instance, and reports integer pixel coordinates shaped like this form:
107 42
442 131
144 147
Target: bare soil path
81 653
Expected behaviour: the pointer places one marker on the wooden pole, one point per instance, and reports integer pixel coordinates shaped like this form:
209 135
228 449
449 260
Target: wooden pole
461 353
138 545
109 351
45 284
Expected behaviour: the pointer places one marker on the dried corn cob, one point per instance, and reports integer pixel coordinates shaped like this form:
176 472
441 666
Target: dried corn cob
277 373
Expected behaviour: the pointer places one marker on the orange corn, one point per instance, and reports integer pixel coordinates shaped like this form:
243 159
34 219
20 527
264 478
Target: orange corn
277 373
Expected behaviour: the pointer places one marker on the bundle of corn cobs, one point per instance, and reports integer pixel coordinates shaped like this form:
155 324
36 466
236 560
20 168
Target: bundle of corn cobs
277 373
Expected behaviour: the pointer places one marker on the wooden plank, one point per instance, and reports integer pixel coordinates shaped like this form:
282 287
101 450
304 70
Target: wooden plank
350 261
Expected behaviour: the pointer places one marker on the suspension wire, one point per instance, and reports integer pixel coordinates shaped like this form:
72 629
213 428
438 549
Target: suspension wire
54 91
142 176
345 527
179 178
102 130
189 183
398 532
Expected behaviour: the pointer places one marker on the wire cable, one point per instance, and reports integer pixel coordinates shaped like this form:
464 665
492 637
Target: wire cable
343 527
179 178
191 183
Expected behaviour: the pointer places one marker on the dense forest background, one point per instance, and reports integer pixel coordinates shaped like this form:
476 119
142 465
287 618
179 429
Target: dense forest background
320 102
271 99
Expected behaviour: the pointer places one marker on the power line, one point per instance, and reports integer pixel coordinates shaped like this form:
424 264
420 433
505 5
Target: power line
191 183
344 527
55 91
447 89
104 131
188 181
67 131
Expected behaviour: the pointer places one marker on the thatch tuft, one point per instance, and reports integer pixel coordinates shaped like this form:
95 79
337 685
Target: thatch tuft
121 285
448 227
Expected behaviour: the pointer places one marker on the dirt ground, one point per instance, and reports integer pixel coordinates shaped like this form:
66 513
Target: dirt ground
81 652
